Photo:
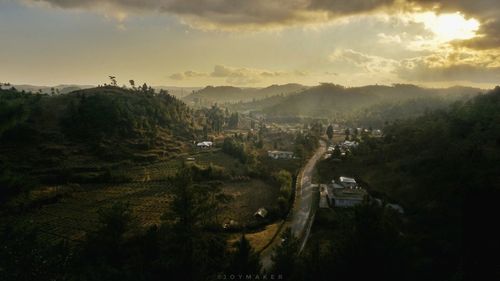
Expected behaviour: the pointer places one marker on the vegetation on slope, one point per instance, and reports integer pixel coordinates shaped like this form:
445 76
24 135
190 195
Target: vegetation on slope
443 169
59 138
114 112
379 115
337 102
182 246
229 94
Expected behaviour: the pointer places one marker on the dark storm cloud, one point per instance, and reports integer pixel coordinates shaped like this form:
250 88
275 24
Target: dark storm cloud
349 6
261 13
237 12
489 36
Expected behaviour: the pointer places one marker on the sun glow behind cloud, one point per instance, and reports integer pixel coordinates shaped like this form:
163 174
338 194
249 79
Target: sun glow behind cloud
448 27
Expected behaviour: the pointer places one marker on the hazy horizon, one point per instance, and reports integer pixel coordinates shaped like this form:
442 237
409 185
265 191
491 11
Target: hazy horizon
254 87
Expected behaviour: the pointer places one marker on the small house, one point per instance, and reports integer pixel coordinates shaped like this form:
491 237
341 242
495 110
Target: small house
344 198
277 154
261 213
205 144
349 144
348 182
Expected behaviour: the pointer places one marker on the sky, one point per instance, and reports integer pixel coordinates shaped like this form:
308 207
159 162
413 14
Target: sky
251 43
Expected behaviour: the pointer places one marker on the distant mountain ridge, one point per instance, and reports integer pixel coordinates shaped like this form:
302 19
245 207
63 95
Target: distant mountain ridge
68 88
61 89
230 94
327 100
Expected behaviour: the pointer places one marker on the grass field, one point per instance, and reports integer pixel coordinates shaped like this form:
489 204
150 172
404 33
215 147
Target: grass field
247 198
76 212
258 239
71 210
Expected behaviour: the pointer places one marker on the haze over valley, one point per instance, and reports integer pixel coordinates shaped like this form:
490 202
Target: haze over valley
249 140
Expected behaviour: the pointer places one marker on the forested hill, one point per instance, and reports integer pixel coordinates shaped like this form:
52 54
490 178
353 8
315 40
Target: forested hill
328 100
443 167
223 94
93 125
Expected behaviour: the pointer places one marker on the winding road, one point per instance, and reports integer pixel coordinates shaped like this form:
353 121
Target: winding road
302 212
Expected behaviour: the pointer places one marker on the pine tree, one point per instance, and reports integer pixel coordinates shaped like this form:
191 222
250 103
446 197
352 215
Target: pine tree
285 255
244 260
329 132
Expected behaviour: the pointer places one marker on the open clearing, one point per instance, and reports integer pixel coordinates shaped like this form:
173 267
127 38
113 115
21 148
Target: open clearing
248 197
76 212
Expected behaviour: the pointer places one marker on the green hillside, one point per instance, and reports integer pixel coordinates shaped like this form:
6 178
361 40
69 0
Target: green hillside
229 94
442 168
333 101
88 132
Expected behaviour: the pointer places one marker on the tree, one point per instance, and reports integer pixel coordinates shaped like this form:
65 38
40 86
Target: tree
317 129
284 180
234 120
355 135
24 256
103 255
236 149
132 83
115 221
244 260
285 256
216 118
329 132
6 84
113 80
193 208
336 152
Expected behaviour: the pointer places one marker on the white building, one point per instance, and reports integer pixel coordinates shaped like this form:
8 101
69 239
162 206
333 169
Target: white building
344 198
277 154
205 144
348 182
349 144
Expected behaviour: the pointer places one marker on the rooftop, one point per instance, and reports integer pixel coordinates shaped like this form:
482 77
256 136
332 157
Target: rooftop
347 180
349 193
279 151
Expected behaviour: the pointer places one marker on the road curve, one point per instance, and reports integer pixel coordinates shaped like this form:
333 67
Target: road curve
303 206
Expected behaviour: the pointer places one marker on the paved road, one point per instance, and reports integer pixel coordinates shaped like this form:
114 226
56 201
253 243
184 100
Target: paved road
305 200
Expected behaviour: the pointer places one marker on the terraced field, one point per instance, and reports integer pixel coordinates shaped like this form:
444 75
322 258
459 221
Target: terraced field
75 214
155 172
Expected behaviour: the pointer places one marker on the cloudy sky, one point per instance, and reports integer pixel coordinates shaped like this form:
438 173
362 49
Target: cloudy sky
251 43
